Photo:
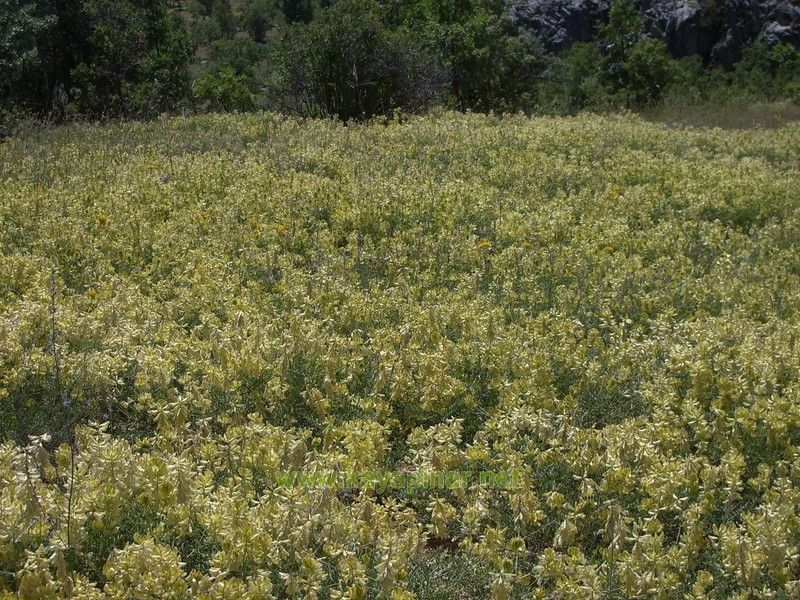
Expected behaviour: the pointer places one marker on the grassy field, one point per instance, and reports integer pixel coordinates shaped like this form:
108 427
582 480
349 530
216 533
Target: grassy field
220 336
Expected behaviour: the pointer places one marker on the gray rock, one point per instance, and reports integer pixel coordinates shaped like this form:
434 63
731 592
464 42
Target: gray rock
782 25
682 25
775 33
689 27
560 23
744 21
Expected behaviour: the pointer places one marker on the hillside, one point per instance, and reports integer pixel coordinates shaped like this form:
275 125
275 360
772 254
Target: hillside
456 356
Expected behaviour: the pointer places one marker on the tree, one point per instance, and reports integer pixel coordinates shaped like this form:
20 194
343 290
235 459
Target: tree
575 80
492 65
637 69
624 28
20 60
204 31
239 54
202 8
223 14
646 72
348 63
297 11
224 90
133 59
257 17
767 72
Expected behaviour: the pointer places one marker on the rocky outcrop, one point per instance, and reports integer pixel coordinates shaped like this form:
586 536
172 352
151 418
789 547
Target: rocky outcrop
560 23
714 29
684 25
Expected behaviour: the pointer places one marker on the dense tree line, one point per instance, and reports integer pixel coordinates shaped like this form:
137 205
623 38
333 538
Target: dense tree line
67 59
93 58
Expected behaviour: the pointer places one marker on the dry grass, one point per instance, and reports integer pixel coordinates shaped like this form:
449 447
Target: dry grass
726 116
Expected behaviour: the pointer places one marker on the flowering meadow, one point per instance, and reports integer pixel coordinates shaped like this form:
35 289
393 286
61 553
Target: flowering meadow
608 310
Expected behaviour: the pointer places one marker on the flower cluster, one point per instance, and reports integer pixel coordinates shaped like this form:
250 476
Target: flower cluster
607 309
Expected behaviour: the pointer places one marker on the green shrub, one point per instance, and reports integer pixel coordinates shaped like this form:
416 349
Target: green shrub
239 54
646 72
630 71
204 31
224 91
491 63
295 11
493 66
574 81
623 30
753 75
